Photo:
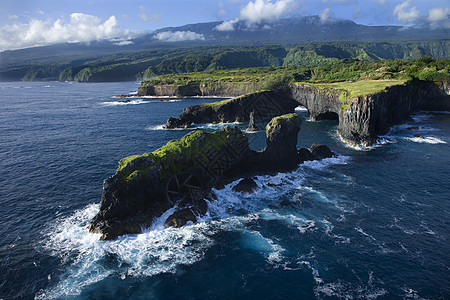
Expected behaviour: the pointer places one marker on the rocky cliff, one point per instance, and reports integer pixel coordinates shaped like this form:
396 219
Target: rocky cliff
180 175
213 89
369 116
361 119
264 105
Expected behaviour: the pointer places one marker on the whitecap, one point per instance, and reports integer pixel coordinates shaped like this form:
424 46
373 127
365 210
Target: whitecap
121 103
155 127
428 140
326 162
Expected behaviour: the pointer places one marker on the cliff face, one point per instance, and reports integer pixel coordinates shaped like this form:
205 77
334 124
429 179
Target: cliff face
264 106
214 89
370 116
361 119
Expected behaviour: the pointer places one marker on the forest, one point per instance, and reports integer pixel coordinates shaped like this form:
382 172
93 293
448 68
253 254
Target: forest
310 61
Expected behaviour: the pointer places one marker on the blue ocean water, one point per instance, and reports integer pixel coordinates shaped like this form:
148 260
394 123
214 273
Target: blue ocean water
371 223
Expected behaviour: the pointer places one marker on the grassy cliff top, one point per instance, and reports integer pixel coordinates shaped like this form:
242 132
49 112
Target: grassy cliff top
362 87
180 154
268 78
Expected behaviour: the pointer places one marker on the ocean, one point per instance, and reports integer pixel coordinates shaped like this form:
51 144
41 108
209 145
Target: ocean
370 223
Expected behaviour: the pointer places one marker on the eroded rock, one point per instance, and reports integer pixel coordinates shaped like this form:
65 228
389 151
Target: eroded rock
181 174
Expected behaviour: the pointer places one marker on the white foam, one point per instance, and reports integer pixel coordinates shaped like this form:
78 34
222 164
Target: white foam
155 127
216 126
338 239
121 103
427 140
326 162
382 140
156 250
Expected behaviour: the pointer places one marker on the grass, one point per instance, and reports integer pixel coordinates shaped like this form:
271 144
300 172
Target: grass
278 119
178 155
363 87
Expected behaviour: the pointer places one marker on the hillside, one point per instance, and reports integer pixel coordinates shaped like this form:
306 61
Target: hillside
143 65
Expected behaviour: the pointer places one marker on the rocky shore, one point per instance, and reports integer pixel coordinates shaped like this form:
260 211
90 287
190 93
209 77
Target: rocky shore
361 119
180 175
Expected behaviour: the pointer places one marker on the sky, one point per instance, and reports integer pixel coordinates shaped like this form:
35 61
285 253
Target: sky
29 23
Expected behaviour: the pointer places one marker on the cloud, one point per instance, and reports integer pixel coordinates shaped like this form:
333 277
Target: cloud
260 11
404 14
382 2
146 17
227 25
357 12
265 11
324 15
81 28
179 36
439 18
221 12
339 1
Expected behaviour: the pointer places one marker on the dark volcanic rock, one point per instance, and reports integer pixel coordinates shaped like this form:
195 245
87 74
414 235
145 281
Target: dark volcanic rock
281 143
305 155
264 105
182 173
245 186
321 151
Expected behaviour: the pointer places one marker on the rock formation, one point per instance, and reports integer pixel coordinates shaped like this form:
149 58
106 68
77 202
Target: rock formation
361 119
213 89
265 105
251 123
180 175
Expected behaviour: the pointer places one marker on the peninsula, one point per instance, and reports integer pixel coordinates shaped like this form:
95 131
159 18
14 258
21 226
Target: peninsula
366 98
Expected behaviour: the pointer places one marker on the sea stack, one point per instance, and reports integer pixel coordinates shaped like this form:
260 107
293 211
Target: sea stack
251 124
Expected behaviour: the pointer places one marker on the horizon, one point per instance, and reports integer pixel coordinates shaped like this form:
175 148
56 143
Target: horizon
44 23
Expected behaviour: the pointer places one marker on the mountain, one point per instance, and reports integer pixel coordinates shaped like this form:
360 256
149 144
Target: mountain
128 61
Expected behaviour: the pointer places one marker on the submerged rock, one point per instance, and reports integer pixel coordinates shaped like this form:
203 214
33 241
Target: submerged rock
321 151
245 186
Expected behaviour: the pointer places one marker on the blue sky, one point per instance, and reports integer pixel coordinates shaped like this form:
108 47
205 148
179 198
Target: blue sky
27 23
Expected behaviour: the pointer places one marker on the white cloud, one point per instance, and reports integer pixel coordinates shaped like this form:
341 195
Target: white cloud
357 12
382 2
265 11
324 15
148 17
227 25
339 1
260 11
81 28
404 14
221 12
439 18
179 36
124 43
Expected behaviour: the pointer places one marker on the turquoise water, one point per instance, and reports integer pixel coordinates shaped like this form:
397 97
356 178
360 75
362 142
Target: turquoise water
367 224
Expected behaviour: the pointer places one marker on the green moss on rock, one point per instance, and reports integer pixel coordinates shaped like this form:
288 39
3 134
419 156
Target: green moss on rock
288 117
178 155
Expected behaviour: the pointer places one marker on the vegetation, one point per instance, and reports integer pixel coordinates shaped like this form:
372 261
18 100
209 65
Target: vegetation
191 146
374 75
146 65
